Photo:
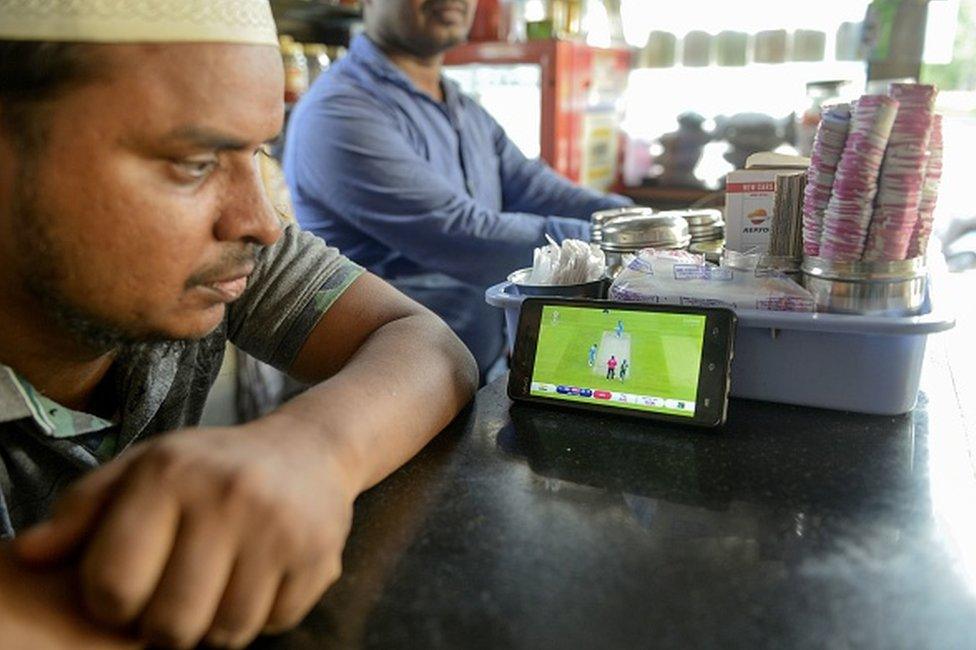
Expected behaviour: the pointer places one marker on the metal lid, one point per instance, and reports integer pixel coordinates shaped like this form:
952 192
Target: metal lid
598 219
713 233
704 217
601 217
636 232
712 228
680 245
719 236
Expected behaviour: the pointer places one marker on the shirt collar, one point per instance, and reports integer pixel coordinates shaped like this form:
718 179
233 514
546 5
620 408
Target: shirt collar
21 401
367 54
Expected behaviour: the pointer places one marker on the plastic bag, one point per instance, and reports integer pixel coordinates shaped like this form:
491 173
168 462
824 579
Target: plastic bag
681 278
575 262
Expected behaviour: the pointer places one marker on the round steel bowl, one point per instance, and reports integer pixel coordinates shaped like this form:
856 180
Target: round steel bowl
593 289
866 288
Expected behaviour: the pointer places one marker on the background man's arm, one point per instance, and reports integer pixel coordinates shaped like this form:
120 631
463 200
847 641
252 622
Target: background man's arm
533 186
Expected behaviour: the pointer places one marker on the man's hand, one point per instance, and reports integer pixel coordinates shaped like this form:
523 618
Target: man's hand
205 534
218 534
40 610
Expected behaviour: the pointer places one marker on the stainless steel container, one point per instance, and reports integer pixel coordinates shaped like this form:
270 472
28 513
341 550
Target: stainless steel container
632 233
866 288
628 235
593 289
698 230
707 233
703 225
598 219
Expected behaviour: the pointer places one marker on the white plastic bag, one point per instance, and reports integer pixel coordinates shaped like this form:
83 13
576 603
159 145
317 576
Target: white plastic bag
680 278
575 262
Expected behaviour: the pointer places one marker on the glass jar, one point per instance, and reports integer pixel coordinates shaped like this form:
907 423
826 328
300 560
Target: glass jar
296 69
318 61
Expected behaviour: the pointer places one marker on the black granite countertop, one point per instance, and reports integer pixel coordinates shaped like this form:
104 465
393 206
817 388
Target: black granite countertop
791 528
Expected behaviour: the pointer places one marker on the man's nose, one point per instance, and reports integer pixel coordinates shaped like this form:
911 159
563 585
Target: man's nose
247 214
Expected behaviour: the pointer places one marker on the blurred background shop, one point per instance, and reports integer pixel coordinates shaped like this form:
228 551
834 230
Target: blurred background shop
661 102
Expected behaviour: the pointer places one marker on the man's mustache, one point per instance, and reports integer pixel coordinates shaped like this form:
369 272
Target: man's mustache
232 262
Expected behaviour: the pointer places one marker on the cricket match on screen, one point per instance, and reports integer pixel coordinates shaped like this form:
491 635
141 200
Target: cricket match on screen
639 360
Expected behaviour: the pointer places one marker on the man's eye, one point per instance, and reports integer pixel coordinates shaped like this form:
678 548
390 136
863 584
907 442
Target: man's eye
196 169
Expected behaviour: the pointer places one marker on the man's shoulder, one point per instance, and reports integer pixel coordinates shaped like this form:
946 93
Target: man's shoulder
347 85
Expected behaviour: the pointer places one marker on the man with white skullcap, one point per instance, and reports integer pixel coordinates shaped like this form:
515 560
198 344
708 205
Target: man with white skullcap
135 240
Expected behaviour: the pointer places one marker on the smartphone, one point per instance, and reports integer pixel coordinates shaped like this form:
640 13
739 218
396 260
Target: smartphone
664 362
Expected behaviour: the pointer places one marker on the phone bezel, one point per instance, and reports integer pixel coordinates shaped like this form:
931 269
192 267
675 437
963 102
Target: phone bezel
713 374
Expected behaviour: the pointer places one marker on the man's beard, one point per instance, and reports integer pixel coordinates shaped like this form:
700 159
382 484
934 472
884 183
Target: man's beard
45 275
420 45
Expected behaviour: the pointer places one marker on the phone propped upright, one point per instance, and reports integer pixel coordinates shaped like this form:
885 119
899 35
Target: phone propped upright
665 362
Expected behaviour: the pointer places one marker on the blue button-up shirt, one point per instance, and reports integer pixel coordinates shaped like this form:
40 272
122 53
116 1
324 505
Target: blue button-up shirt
430 195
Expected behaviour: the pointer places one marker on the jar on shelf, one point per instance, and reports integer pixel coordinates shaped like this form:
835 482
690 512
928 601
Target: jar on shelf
318 60
296 69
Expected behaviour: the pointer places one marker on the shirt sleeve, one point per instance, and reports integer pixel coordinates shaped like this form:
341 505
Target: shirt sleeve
296 281
533 186
6 488
353 160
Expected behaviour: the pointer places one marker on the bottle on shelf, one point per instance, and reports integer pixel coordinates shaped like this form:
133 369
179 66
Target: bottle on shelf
317 56
296 69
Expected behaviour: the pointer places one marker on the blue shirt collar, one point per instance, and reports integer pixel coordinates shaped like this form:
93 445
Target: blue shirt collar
367 54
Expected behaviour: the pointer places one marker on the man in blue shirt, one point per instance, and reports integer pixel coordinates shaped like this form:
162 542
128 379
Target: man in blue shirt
387 160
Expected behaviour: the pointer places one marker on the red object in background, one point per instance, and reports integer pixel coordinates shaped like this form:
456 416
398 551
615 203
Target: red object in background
487 21
602 394
573 74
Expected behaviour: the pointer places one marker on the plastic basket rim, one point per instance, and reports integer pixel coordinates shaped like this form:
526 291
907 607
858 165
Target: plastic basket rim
937 319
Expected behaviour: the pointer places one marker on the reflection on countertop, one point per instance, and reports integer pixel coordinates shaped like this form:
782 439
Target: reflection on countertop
524 527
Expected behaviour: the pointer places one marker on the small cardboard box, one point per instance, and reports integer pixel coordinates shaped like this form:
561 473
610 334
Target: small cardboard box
750 198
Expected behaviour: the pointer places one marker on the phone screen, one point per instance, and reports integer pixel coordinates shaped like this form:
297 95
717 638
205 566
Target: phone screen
638 360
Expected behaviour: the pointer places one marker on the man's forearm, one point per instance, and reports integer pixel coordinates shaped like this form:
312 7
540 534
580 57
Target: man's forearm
404 384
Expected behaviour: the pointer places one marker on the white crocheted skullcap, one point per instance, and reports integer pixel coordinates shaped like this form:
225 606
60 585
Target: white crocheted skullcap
138 21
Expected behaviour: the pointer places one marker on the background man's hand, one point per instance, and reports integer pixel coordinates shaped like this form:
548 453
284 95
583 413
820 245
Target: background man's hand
205 534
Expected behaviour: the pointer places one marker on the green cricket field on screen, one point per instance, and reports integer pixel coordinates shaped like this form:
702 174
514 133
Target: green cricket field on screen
641 360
